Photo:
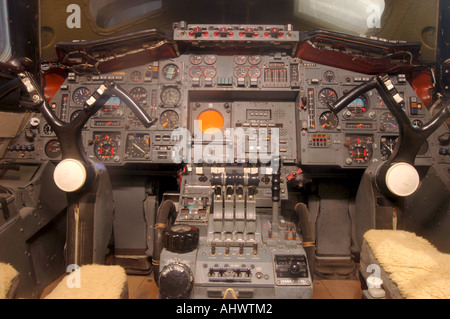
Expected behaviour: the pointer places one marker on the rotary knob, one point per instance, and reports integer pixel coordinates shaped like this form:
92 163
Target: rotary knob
180 238
176 281
294 268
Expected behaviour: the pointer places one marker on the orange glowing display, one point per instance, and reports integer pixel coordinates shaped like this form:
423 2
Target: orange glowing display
210 121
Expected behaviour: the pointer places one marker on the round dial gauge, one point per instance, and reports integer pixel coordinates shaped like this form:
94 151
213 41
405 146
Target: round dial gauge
380 101
136 76
254 59
209 72
170 96
139 94
74 115
388 122
106 145
105 150
47 129
81 95
327 95
112 104
195 72
360 152
359 105
240 72
170 72
329 76
240 59
328 120
169 119
210 59
254 72
138 145
387 146
53 149
196 59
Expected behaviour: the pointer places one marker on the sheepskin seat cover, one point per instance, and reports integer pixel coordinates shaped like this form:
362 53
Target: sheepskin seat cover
95 282
418 269
8 281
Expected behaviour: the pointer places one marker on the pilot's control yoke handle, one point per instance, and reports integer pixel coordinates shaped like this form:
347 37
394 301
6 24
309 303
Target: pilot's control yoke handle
75 172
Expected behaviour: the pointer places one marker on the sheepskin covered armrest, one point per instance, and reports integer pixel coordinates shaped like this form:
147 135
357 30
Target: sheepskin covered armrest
411 267
9 280
93 282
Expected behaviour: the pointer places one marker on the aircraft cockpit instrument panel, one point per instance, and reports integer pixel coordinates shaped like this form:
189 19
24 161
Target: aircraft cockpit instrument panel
248 122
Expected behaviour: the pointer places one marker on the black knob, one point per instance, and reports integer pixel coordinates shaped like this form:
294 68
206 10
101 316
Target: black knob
444 139
294 268
175 281
180 238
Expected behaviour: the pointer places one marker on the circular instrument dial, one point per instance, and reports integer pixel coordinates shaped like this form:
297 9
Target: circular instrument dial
53 149
240 72
196 59
388 122
195 72
209 72
380 101
240 59
254 59
360 152
254 72
170 71
359 105
169 119
81 95
105 150
138 145
139 94
47 129
327 95
210 59
136 76
75 114
329 76
328 120
170 96
106 145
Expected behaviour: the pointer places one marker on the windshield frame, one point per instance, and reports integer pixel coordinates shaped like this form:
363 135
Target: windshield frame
5 53
123 25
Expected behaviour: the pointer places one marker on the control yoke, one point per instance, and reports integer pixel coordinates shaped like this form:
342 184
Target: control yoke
400 166
75 171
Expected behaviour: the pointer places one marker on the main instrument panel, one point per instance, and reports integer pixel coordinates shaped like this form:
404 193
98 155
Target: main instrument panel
254 92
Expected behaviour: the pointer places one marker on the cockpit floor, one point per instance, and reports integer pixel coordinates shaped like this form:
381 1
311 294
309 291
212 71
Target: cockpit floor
144 287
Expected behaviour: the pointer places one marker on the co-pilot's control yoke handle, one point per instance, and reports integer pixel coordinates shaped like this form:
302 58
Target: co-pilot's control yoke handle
397 175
